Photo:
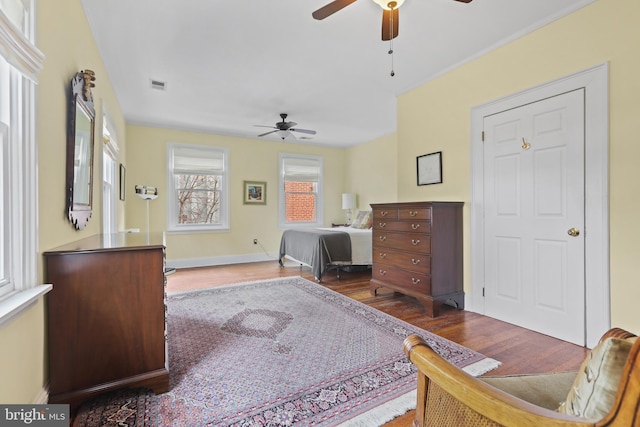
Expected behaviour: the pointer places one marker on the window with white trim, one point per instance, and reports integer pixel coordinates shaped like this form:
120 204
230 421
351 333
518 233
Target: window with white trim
110 175
20 63
198 187
301 190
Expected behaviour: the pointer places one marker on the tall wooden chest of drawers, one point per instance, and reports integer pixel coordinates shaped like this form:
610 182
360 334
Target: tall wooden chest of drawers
417 250
106 316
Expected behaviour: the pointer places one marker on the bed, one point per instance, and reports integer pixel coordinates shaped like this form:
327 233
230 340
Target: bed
324 248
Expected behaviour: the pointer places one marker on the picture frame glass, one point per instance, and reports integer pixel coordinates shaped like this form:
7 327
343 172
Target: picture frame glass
255 193
429 168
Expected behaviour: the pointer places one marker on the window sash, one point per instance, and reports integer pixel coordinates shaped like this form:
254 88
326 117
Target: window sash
295 168
201 172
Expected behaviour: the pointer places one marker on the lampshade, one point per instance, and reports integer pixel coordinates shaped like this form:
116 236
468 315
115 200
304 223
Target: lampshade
385 4
348 201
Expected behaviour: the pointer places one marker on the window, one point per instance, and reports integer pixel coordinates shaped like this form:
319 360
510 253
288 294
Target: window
20 63
301 190
198 188
6 285
110 175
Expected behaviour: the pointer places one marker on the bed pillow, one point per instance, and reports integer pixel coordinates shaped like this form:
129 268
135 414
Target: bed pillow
364 219
594 389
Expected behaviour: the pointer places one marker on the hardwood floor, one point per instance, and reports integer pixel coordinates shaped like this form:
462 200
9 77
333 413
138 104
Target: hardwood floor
520 350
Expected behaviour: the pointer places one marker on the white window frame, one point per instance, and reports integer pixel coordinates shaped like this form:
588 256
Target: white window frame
110 176
173 226
282 208
22 61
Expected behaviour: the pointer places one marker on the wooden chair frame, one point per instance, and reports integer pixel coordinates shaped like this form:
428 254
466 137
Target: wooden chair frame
498 408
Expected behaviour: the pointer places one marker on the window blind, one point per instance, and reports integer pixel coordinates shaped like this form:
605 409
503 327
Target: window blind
194 161
301 170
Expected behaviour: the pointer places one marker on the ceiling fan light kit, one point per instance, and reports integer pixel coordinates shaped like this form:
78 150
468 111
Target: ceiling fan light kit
389 5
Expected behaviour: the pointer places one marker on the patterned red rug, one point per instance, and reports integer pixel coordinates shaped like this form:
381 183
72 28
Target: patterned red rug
282 352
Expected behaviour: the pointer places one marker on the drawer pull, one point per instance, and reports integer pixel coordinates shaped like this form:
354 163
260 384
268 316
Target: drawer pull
382 238
413 213
384 213
383 224
415 281
415 226
383 272
415 261
415 242
383 256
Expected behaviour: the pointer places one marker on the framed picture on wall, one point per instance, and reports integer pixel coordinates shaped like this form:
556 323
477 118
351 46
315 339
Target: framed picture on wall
123 179
429 168
255 193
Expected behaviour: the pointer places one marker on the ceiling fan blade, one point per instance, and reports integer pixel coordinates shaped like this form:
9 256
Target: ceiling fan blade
464 1
288 125
263 126
331 8
267 133
389 33
310 132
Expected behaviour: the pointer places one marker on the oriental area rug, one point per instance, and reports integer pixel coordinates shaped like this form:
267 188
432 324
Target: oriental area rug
281 352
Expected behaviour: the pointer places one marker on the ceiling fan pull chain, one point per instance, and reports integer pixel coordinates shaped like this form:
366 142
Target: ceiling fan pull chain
391 41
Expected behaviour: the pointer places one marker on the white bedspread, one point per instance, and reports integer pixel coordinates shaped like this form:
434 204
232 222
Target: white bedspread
360 244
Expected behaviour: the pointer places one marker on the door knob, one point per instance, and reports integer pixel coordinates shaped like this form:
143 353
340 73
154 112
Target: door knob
573 232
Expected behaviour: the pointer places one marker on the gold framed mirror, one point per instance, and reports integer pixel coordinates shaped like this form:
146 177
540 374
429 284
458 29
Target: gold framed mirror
80 142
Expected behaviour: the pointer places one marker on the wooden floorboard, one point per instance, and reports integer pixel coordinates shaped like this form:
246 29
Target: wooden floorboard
520 350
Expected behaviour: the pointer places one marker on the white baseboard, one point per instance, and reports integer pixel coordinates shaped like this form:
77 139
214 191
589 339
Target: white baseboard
222 260
42 397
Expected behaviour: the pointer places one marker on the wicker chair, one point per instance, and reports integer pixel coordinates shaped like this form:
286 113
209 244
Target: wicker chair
447 396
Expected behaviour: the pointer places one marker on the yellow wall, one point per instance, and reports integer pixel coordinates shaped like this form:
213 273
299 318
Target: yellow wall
436 117
22 359
372 171
251 160
64 37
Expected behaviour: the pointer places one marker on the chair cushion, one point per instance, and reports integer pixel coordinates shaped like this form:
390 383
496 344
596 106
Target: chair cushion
594 389
544 390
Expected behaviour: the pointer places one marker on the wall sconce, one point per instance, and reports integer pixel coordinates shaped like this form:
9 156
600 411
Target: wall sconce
348 203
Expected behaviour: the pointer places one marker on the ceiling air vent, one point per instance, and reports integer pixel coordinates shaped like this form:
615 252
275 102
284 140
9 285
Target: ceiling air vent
157 84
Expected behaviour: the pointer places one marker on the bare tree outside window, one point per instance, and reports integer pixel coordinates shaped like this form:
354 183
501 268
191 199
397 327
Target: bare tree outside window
199 198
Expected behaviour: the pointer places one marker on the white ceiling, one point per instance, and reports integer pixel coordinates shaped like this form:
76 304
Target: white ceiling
230 65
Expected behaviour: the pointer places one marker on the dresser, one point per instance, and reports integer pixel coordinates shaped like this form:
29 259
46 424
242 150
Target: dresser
417 250
106 316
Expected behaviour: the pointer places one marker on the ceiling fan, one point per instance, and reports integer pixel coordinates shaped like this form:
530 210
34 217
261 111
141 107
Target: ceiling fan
389 14
283 128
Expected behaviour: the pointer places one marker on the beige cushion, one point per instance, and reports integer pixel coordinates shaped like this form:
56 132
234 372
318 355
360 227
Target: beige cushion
594 389
544 390
364 219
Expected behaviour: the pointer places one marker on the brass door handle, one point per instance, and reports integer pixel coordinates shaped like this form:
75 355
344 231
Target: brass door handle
573 232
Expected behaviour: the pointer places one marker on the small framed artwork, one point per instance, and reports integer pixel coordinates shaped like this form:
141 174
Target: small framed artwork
255 193
430 168
123 178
